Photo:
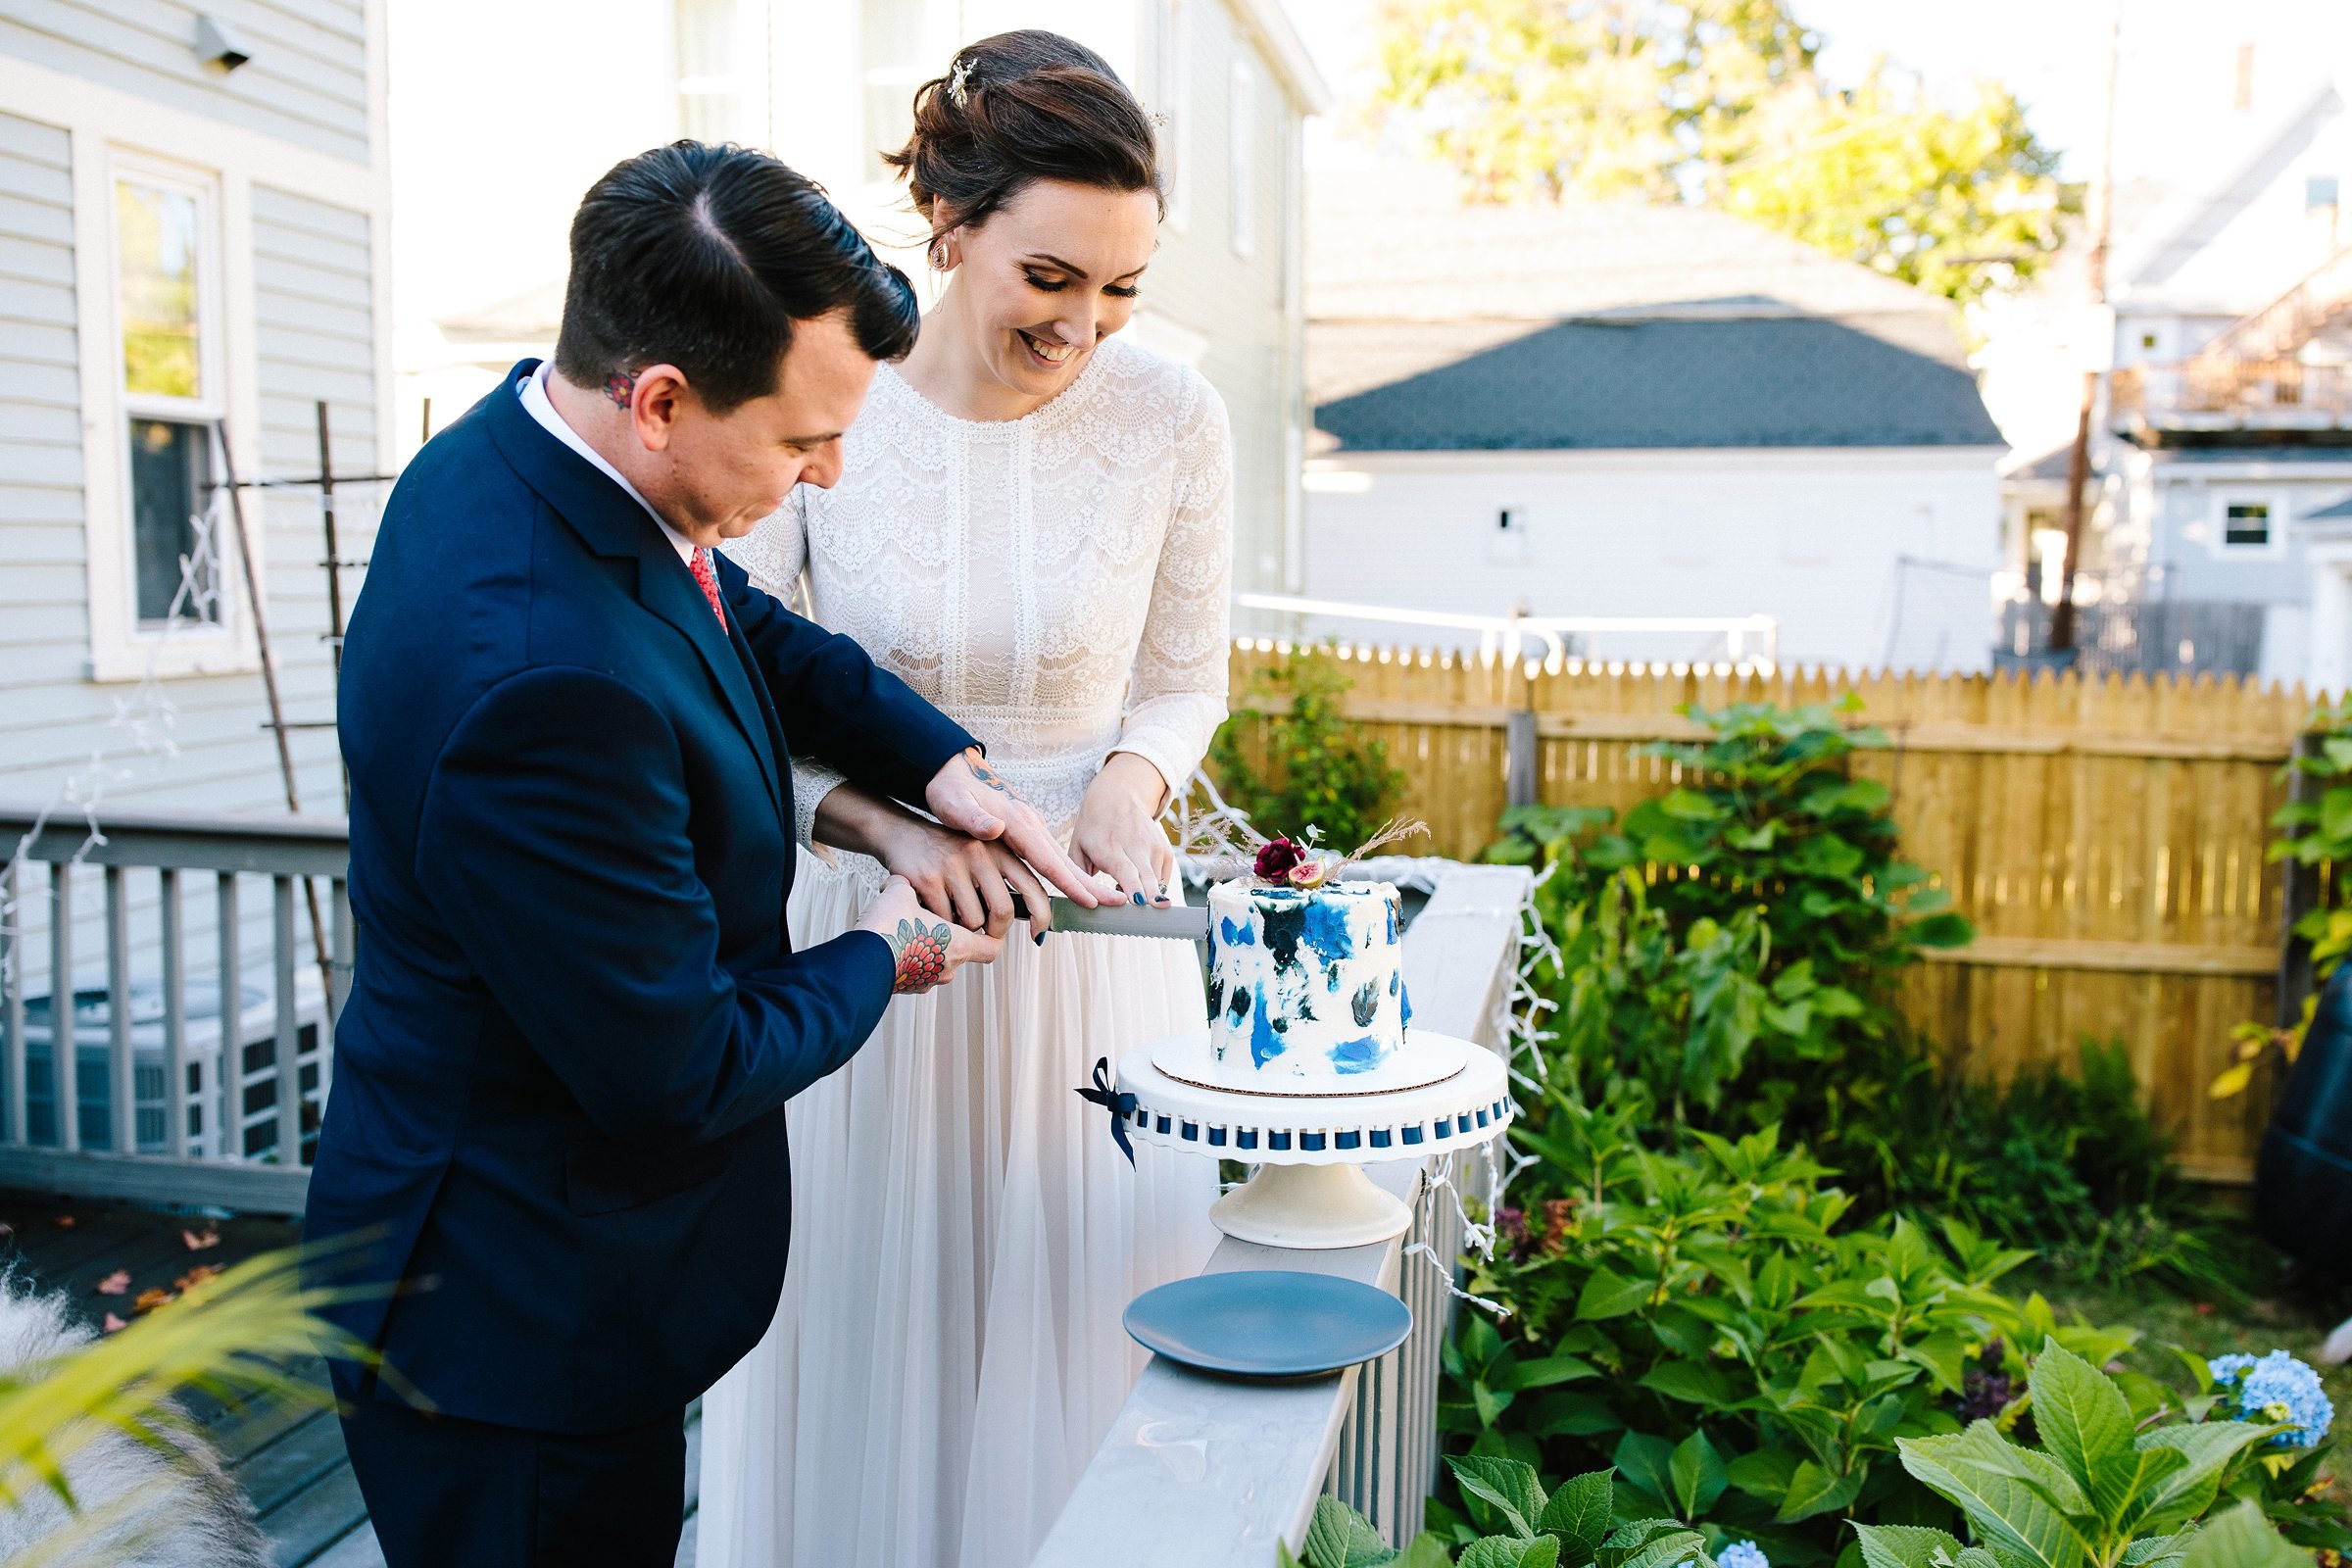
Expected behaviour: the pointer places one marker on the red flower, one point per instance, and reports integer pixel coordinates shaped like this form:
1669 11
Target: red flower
1275 858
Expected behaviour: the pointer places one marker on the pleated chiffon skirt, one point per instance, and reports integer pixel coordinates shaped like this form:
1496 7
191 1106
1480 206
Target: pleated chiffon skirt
965 1235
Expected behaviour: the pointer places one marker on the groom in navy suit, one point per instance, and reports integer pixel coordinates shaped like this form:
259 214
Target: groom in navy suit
558 1117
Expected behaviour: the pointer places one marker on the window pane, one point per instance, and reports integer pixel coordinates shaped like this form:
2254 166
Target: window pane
711 78
170 479
2247 522
156 234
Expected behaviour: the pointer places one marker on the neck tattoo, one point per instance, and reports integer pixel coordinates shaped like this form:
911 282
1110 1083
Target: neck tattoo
621 387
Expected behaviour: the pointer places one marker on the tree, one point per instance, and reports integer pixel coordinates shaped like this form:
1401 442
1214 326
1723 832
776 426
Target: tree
1717 101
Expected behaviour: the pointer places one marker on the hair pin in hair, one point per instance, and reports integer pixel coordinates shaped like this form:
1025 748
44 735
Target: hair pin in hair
958 93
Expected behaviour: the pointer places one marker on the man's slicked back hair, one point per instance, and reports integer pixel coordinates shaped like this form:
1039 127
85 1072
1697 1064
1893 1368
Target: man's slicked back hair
703 258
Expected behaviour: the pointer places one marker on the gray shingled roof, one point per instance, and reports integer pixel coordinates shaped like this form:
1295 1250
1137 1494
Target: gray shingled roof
1434 326
2343 509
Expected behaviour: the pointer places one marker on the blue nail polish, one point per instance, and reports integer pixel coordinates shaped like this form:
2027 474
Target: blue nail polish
1040 938
1138 897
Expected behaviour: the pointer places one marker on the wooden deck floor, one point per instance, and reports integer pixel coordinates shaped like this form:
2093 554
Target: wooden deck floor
289 1456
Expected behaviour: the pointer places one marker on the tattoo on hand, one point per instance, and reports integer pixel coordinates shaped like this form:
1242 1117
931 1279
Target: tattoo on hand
621 387
985 773
920 954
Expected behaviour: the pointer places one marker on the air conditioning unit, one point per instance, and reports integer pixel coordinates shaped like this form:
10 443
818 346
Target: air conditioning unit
255 1136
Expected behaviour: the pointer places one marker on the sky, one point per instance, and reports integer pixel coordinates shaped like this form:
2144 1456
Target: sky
2176 54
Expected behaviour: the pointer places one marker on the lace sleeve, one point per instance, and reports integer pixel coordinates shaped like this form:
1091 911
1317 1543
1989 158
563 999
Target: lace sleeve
1176 697
776 555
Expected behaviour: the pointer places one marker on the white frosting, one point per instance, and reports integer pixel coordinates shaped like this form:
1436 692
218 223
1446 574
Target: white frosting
1305 983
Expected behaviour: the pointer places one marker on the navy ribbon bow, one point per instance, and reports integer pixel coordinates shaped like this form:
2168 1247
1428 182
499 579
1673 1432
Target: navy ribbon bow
1121 1107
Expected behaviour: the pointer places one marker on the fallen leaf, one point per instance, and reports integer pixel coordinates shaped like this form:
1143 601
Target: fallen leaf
64 1222
196 1276
114 1323
2204 1309
115 1284
198 1242
149 1301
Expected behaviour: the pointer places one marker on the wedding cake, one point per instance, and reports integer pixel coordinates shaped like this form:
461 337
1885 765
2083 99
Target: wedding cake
1305 985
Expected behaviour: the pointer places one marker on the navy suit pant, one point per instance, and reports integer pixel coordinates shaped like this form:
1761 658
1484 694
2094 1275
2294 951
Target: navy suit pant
445 1492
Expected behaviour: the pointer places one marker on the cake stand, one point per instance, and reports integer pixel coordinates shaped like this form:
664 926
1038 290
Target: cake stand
1310 1190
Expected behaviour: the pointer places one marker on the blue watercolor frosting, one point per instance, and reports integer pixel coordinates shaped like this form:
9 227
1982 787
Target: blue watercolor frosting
1306 982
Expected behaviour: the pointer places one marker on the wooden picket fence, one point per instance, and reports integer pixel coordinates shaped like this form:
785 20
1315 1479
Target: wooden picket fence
2106 835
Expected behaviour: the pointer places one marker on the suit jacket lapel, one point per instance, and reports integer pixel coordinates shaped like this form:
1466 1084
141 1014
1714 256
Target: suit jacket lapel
611 522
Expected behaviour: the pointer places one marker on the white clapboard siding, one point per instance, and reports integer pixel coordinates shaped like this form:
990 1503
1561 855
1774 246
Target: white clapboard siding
306 83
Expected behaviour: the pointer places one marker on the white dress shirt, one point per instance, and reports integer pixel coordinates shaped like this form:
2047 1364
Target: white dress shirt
532 390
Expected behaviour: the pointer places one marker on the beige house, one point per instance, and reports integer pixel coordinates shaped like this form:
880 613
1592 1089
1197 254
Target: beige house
1229 78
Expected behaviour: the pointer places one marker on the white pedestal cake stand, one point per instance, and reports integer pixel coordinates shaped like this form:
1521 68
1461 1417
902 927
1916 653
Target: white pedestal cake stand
1310 1190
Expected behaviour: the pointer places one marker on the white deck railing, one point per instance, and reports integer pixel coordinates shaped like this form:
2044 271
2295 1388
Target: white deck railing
164 1036
147 1105
1203 1472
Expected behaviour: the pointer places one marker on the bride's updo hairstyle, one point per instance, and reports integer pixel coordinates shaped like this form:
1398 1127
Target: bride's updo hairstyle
1017 108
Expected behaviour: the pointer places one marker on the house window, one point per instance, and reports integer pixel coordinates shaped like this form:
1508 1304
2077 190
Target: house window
168 329
720 71
903 43
2247 524
1170 66
1240 180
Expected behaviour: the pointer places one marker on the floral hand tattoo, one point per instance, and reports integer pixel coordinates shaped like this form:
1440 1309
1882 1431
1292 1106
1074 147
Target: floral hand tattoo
985 773
920 954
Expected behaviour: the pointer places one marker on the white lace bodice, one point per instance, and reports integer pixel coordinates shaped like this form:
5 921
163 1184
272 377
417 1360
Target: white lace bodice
1058 584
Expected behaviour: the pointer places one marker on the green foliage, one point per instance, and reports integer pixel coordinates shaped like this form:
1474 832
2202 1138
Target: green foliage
1718 100
2316 832
1318 769
1707 1322
1715 1324
1736 946
234 1337
1732 956
2098 1492
1584 1524
1884 176
2068 1164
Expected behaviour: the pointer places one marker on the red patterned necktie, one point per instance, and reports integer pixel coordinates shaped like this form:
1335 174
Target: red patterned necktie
708 577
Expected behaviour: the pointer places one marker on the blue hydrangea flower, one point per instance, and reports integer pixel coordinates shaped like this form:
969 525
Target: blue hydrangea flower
2227 1369
1743 1554
2279 1388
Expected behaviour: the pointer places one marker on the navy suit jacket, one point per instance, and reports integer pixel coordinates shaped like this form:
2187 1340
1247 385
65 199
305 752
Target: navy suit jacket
560 1080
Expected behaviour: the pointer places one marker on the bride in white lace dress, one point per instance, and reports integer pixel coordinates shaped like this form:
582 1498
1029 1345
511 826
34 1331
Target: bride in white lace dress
1033 529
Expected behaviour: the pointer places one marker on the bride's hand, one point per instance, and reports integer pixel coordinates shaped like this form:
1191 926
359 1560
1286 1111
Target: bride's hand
970 881
925 950
1117 830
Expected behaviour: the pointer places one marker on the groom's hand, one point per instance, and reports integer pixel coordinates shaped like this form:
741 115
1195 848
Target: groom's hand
925 950
967 795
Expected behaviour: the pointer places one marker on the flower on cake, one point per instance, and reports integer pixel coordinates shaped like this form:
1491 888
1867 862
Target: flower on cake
1275 858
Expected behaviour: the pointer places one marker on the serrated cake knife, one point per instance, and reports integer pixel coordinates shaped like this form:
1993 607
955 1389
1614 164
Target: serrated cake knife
1176 923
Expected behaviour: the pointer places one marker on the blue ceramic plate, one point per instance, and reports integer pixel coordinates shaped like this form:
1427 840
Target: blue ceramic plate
1268 1323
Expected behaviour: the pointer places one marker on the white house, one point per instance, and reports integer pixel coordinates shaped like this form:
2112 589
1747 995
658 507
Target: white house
1616 409
2224 440
193 222
827 86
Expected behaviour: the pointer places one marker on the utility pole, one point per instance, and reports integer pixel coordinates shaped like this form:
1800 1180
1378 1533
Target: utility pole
2078 462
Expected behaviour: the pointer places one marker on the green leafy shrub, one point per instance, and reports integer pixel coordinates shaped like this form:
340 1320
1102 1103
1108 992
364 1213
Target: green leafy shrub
1732 956
1707 1322
1716 1324
2316 833
1578 1525
1314 766
1757 913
